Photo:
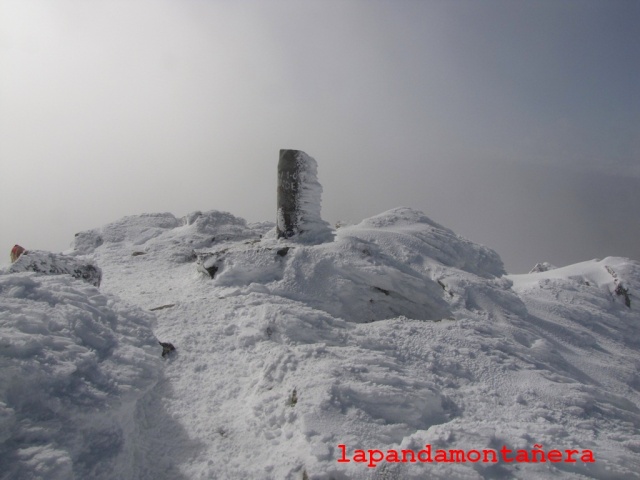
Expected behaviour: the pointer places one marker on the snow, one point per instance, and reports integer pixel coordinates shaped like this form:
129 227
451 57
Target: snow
542 267
74 364
396 335
55 264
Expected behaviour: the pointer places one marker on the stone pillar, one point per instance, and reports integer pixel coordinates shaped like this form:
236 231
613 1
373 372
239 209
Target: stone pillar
299 198
288 193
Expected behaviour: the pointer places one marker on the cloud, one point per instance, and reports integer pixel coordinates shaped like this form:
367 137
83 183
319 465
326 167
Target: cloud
116 108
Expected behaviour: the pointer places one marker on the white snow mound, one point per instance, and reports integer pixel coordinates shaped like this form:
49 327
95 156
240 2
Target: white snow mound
73 364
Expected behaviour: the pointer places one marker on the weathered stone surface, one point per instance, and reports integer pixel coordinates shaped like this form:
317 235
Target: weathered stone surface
299 199
48 263
162 307
167 348
288 192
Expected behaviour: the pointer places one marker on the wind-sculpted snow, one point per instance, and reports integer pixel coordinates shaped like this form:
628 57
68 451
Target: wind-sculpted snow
73 364
347 279
398 335
177 237
47 263
137 230
412 237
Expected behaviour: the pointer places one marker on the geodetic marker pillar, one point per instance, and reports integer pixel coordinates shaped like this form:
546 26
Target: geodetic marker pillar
299 198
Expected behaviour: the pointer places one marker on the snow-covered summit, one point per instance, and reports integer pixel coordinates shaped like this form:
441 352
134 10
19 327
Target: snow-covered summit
291 358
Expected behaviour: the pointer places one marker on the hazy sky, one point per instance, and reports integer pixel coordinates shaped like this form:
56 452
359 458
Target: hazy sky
515 123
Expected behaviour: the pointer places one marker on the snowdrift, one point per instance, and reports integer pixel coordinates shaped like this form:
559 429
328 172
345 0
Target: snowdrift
74 362
398 335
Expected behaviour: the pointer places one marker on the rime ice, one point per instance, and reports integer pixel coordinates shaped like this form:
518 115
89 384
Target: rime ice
299 198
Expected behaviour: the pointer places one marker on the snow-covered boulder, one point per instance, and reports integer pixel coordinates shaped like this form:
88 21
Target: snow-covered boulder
74 364
412 237
399 263
48 263
586 297
136 229
542 267
175 239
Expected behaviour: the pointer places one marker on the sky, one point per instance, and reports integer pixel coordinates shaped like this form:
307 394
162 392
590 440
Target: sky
514 123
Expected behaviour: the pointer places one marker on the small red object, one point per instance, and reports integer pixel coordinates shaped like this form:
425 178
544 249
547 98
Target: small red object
16 251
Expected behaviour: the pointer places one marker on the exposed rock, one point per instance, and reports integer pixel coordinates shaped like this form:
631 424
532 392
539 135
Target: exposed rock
162 307
167 348
542 267
212 270
386 292
623 292
619 290
214 263
293 398
48 263
210 262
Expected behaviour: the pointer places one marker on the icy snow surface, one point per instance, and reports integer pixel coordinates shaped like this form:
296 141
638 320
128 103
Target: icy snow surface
74 365
396 335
